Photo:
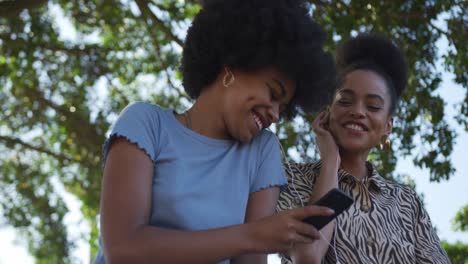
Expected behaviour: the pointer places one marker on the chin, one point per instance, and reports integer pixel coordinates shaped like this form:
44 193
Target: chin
245 138
352 147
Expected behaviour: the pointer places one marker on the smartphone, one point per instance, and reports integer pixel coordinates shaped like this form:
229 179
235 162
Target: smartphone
334 199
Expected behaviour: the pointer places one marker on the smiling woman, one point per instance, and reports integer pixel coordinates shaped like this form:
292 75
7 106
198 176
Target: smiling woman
359 116
201 186
387 222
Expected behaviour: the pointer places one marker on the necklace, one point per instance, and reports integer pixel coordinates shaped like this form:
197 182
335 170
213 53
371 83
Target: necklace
188 121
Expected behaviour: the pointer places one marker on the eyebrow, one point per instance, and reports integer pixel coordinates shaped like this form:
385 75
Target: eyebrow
376 96
372 96
346 91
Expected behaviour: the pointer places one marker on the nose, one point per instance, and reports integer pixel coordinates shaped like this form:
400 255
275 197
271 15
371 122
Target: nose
273 113
357 111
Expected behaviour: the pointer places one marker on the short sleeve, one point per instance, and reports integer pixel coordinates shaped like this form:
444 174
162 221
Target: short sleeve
139 124
270 171
428 248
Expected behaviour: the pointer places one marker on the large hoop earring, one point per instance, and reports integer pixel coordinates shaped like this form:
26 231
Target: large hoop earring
385 144
228 78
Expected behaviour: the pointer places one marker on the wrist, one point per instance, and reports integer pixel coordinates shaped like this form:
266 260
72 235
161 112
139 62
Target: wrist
331 164
248 239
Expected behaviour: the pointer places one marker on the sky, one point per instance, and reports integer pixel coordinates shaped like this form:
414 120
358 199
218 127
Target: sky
442 200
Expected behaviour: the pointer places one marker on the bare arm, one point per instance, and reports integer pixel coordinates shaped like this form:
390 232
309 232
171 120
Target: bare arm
327 180
127 236
261 204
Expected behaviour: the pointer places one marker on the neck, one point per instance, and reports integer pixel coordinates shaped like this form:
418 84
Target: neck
354 164
205 118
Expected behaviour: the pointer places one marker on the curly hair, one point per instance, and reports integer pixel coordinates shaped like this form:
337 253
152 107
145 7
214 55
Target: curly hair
251 35
375 52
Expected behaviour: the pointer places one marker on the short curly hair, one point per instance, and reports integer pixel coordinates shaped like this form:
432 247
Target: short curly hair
251 35
375 52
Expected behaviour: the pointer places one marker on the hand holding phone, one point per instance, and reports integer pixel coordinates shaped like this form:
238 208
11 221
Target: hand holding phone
334 199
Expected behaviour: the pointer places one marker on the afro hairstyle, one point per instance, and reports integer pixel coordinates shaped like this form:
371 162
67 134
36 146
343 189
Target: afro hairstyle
375 52
251 35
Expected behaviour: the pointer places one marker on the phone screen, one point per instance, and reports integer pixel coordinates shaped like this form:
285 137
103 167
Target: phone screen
334 199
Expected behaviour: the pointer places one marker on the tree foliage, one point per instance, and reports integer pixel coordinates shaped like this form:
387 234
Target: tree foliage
61 88
460 222
457 252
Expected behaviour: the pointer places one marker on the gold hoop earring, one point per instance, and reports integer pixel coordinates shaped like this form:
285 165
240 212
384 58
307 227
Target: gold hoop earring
385 144
229 75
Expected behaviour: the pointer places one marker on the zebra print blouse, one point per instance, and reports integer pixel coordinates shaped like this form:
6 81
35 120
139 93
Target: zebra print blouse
386 224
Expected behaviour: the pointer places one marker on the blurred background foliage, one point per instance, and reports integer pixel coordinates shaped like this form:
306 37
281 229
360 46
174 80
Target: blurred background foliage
67 68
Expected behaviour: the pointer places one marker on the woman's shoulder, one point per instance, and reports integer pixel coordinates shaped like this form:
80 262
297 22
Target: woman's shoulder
143 107
146 114
265 136
305 173
301 179
266 141
312 167
397 189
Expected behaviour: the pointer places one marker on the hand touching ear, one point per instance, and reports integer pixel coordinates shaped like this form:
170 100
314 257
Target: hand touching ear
325 142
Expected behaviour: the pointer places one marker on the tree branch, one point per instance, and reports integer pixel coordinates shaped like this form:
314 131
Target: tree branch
153 38
157 47
12 8
86 131
76 50
438 29
146 12
17 141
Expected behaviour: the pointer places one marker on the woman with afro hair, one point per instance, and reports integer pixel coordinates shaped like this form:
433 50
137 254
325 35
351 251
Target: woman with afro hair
387 222
201 186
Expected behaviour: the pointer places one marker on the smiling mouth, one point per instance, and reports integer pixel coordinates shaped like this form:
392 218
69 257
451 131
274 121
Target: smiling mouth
355 127
258 121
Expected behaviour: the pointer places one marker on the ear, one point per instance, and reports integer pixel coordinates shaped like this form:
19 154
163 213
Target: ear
228 77
388 126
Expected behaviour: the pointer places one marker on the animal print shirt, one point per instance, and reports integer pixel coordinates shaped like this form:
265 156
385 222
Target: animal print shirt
386 224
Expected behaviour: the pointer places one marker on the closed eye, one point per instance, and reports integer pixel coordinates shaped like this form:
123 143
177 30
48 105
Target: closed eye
344 102
374 108
273 93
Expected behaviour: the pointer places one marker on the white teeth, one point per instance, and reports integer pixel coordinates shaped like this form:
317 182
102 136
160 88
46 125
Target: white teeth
354 127
257 121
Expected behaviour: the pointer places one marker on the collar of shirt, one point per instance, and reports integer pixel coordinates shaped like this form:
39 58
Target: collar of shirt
376 181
